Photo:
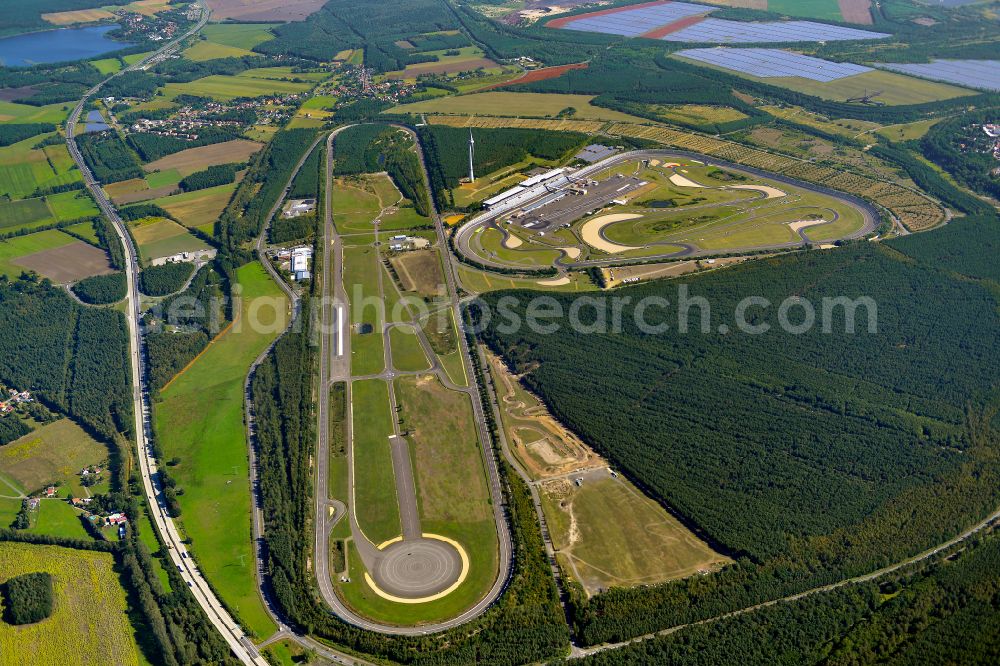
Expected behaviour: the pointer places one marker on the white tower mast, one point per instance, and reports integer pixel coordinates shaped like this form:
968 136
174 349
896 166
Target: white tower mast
472 150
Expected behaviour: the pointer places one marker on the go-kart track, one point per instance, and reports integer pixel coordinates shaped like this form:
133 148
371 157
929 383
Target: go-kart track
594 216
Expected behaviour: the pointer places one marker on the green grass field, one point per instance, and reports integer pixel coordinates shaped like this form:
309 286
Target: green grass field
23 213
72 205
820 9
206 50
55 453
407 354
194 209
25 113
84 230
159 237
375 487
24 168
239 35
908 131
89 624
354 205
516 104
59 518
14 248
107 65
612 535
225 88
361 282
279 73
200 420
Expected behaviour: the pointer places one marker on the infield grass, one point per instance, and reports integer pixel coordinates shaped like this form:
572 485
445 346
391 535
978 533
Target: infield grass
361 267
407 354
374 483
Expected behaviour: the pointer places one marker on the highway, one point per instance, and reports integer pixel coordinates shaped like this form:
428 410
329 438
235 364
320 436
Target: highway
464 235
238 641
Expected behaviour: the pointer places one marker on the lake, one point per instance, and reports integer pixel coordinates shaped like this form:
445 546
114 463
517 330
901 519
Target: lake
57 46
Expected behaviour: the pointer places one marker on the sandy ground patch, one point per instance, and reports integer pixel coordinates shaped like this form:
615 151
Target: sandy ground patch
68 263
554 282
771 192
802 224
681 181
571 252
512 241
591 232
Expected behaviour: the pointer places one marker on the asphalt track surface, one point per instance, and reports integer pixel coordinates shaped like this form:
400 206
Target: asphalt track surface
463 237
431 565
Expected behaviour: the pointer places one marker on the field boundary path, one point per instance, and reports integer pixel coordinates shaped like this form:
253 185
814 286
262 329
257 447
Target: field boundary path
238 641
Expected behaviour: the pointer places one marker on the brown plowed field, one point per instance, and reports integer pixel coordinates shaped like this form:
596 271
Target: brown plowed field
264 10
68 263
540 75
856 11
195 159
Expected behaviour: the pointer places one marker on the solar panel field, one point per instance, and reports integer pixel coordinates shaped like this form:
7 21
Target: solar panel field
982 74
774 62
633 22
719 31
685 22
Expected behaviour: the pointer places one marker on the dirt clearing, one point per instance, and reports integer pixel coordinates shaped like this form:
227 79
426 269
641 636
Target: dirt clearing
419 271
68 263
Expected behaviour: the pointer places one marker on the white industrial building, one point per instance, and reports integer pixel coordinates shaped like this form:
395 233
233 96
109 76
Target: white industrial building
301 256
528 189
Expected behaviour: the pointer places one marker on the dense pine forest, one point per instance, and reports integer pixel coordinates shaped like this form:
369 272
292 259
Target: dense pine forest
74 358
269 170
175 329
795 453
446 151
377 147
917 617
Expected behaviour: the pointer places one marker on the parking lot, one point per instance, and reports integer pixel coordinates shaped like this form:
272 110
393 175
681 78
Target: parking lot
562 208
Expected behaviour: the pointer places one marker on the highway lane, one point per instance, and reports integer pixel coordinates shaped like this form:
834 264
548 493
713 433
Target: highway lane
465 233
229 629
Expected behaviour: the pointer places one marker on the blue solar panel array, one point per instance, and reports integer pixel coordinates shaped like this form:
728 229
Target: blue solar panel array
634 22
983 74
718 31
774 62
